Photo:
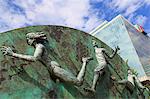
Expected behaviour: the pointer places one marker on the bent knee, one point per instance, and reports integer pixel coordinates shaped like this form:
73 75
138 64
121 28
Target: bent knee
79 83
54 64
98 71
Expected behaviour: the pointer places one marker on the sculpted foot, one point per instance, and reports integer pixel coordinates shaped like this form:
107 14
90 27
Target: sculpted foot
92 90
113 78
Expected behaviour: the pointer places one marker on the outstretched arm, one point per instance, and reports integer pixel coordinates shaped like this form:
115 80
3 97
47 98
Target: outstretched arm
113 54
139 84
37 54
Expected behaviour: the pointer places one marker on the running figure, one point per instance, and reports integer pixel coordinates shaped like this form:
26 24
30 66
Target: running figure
130 81
37 40
102 63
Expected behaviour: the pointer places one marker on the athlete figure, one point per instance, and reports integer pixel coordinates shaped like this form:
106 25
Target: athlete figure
37 40
102 63
130 81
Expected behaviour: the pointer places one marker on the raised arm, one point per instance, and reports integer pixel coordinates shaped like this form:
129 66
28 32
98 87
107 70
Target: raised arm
139 84
37 54
113 54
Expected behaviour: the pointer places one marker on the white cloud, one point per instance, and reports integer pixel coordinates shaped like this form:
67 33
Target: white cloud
92 23
9 20
70 13
132 8
128 6
96 1
138 19
122 4
141 20
131 16
147 2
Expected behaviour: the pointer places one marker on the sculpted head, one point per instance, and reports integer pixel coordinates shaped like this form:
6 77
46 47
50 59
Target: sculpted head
33 37
94 43
130 71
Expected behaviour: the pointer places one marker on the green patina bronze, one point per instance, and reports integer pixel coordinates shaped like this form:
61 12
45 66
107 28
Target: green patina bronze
31 80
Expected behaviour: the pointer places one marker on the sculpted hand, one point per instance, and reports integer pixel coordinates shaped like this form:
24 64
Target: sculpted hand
146 89
94 42
117 48
7 50
86 59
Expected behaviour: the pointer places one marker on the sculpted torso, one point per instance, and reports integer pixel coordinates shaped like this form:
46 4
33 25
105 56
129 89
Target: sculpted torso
130 78
100 55
40 49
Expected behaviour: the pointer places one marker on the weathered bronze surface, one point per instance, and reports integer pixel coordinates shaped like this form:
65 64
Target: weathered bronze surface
20 79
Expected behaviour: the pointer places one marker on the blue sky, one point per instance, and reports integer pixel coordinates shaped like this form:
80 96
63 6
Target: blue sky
80 14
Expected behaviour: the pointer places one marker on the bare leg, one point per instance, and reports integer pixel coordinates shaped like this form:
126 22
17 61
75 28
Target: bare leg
140 85
67 76
96 76
81 74
124 81
95 79
127 84
97 73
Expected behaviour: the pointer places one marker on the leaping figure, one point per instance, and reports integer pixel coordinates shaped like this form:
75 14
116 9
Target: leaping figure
101 54
37 40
